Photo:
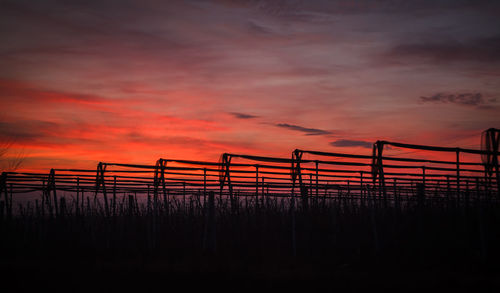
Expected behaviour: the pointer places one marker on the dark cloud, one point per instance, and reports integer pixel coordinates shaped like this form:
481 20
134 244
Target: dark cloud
243 115
314 10
484 50
45 133
307 131
18 90
27 130
351 143
184 141
465 99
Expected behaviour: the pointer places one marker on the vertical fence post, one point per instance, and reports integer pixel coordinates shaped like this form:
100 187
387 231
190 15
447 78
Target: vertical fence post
263 197
297 171
380 146
155 178
378 167
458 174
51 185
101 168
317 180
229 184
204 185
311 186
78 196
159 177
43 197
166 192
225 174
256 187
114 195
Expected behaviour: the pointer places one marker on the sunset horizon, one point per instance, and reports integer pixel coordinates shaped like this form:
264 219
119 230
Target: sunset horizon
99 81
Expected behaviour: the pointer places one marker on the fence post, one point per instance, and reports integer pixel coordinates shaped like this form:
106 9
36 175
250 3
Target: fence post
263 197
297 170
184 194
101 168
51 184
77 208
317 180
159 177
114 195
378 167
204 185
458 174
224 174
166 193
256 187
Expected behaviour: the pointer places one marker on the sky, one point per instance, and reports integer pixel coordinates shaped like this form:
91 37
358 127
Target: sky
133 81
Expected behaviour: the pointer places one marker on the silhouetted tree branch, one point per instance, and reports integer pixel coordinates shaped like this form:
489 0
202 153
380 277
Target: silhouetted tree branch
9 160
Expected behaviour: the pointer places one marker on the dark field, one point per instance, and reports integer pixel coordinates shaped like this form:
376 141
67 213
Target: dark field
327 243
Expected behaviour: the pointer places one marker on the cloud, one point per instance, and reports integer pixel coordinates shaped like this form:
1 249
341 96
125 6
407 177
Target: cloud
482 50
26 130
243 115
351 143
318 10
307 131
464 99
13 90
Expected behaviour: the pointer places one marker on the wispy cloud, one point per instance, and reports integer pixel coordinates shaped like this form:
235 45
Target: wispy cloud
243 115
483 50
26 130
351 143
307 131
465 99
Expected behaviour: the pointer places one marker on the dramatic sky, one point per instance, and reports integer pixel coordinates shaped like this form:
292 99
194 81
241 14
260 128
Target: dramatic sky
132 81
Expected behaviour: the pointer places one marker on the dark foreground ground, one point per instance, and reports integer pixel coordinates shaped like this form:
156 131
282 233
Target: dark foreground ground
113 277
330 247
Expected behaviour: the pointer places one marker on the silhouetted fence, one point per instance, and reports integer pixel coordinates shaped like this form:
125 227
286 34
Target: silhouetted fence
464 175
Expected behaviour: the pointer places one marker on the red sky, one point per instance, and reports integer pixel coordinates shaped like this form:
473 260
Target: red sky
133 81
